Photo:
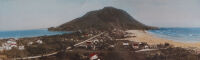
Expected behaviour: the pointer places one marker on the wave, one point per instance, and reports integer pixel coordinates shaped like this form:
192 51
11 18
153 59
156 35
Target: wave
178 34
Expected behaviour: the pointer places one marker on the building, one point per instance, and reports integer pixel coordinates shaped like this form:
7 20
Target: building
12 43
125 44
135 45
30 43
21 48
94 56
8 45
141 45
39 41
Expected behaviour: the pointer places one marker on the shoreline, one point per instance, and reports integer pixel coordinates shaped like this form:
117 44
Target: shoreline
143 36
30 33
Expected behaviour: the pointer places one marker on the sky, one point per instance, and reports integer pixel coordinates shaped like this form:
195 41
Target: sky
35 14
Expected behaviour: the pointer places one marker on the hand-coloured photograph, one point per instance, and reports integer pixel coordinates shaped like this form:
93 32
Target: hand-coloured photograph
99 30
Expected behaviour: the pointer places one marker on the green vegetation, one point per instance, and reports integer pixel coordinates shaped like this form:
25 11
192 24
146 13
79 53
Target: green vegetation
105 19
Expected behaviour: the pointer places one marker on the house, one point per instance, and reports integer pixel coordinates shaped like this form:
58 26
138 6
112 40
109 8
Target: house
6 46
141 45
9 44
80 31
153 46
12 43
94 56
125 44
30 43
39 41
95 40
68 48
86 35
89 42
21 48
135 45
146 46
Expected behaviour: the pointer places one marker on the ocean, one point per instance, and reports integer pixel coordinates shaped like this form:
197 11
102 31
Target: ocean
27 33
178 34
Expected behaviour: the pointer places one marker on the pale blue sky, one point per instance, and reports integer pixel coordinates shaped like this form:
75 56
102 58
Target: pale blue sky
34 14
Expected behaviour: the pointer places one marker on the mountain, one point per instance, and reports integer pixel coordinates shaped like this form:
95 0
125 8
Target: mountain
108 18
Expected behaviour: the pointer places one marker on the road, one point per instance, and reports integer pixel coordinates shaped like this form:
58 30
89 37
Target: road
144 50
88 39
33 57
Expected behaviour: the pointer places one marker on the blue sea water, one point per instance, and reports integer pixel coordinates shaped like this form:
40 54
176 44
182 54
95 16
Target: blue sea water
178 34
27 33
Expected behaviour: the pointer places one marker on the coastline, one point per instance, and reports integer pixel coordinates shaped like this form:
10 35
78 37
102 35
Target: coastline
18 34
143 36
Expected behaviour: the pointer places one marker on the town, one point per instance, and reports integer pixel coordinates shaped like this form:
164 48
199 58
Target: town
98 45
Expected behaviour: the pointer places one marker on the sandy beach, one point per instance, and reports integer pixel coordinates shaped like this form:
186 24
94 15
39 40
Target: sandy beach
143 36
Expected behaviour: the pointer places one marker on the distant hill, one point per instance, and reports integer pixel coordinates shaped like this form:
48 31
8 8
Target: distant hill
108 18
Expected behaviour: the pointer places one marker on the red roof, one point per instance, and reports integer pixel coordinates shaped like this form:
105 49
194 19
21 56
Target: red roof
12 44
135 44
93 54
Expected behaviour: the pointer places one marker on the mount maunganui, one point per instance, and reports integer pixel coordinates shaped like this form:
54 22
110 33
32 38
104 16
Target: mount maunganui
108 18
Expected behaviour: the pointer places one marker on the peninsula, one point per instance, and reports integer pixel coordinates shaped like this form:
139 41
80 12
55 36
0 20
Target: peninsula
106 34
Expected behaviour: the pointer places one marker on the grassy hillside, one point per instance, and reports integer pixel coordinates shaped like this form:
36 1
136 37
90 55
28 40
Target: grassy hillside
108 18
